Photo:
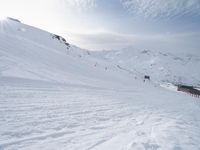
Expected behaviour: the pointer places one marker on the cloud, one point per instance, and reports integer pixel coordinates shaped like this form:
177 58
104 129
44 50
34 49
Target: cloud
100 40
80 4
167 9
182 42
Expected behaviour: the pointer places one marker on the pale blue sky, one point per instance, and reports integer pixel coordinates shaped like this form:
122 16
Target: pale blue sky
172 25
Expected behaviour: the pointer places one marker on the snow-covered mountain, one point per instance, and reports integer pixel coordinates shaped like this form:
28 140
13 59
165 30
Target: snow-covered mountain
54 95
37 54
160 66
31 53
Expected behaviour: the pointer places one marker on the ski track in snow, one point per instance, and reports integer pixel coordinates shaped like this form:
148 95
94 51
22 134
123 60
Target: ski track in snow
65 117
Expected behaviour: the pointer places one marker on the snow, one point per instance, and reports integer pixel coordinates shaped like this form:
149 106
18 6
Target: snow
37 115
177 68
52 97
169 86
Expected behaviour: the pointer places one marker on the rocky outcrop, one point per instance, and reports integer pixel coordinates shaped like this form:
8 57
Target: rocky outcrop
61 39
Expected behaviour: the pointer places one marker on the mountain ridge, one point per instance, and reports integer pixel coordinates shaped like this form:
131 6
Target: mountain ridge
161 66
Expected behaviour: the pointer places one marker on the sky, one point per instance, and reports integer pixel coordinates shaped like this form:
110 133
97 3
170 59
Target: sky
165 25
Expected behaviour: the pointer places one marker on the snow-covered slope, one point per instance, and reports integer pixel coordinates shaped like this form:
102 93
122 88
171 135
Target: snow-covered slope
30 53
54 95
162 67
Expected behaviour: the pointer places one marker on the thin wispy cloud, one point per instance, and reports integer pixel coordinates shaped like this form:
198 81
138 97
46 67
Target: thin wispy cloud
178 42
165 9
80 4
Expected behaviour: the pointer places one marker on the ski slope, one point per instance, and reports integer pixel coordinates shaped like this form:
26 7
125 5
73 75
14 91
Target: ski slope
34 54
163 67
54 96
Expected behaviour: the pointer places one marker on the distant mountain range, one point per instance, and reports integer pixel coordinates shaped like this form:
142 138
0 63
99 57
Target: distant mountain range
162 67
